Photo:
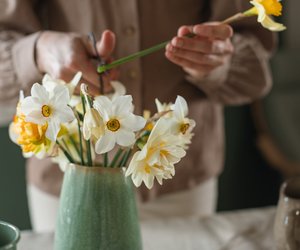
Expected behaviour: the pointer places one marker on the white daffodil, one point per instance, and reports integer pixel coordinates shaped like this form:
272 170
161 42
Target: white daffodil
163 107
119 90
120 122
181 125
158 156
93 125
162 147
141 171
50 83
264 9
51 108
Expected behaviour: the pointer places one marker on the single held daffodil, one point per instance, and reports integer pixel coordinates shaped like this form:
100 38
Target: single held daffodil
264 9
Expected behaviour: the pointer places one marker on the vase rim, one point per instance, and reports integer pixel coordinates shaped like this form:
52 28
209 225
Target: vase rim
96 168
286 186
16 238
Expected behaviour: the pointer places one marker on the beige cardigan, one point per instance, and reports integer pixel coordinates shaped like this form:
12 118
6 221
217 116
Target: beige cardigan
139 24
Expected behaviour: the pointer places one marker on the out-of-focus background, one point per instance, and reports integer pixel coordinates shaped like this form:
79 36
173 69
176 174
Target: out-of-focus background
262 140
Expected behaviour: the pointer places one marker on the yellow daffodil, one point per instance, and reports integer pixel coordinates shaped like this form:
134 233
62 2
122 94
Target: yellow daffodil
264 9
31 137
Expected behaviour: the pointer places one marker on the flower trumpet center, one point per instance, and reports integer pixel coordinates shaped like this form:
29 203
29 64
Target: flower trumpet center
46 110
113 125
184 127
147 169
272 7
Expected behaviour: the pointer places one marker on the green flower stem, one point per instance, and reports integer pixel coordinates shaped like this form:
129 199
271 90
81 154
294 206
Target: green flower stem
105 160
87 142
89 153
69 157
105 67
66 146
116 158
234 18
125 158
73 142
80 138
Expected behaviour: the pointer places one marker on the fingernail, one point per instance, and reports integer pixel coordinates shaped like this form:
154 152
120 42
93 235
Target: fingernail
201 30
171 48
177 42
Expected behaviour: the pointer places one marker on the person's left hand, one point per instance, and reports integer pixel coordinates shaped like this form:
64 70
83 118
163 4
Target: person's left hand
209 49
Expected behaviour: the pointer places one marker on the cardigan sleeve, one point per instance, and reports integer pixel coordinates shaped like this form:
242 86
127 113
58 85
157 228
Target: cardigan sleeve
19 30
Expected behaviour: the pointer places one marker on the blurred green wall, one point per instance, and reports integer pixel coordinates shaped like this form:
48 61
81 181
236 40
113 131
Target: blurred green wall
13 200
247 180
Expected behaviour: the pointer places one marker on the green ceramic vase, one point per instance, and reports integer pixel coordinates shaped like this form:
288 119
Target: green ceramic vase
97 211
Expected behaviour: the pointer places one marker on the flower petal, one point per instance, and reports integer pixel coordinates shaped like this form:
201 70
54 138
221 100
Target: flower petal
133 122
125 138
28 105
38 91
106 143
149 181
60 95
12 134
180 108
53 129
64 114
268 23
35 117
74 82
119 89
122 105
104 106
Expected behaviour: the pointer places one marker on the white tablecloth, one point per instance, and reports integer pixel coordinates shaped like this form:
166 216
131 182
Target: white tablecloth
238 230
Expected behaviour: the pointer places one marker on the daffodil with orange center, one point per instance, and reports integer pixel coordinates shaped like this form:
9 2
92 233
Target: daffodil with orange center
31 137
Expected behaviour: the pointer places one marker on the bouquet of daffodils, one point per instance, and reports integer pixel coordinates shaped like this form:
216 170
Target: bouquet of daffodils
102 130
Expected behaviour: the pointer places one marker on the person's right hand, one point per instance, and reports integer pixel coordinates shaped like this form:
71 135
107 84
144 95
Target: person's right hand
62 55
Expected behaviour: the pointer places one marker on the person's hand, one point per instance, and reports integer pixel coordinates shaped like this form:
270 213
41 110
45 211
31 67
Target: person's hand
62 55
209 49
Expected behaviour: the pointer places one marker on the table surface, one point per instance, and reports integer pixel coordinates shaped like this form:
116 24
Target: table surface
236 230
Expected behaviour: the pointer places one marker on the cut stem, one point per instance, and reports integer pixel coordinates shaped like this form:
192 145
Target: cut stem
87 142
68 156
125 158
234 18
80 139
105 159
116 158
103 68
